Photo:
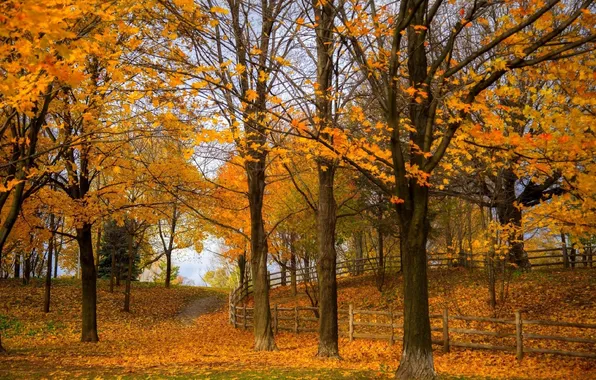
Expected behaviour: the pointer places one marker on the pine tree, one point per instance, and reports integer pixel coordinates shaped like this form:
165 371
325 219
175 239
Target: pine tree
114 240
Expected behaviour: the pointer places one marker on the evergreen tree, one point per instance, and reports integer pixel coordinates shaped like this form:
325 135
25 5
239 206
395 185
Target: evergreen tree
115 239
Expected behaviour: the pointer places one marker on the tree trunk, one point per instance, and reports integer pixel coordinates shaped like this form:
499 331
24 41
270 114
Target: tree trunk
241 270
168 268
13 213
306 270
130 264
17 266
56 263
417 357
380 252
112 270
293 284
255 169
565 253
97 247
358 268
89 284
284 275
27 269
46 300
326 263
509 214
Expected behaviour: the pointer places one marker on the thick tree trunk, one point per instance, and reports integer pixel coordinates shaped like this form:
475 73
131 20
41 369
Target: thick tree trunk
129 272
168 268
417 356
263 334
326 263
13 213
89 284
509 214
46 300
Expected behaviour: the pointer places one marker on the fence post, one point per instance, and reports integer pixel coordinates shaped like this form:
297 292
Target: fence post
230 307
519 335
351 322
275 318
296 319
234 321
244 317
445 330
392 339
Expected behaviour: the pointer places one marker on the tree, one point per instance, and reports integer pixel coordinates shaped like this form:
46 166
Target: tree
113 253
424 110
162 275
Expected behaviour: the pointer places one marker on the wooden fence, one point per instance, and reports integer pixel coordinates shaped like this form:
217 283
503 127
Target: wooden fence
538 258
497 334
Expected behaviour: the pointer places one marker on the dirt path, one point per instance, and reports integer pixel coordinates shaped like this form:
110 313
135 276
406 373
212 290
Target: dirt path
198 307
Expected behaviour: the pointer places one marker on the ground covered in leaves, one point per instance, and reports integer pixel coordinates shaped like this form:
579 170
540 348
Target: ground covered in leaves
153 341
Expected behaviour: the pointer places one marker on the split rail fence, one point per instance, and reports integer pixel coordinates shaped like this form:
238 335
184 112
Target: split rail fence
538 258
498 334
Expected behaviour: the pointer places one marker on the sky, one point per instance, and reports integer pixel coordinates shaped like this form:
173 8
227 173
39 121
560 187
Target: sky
193 265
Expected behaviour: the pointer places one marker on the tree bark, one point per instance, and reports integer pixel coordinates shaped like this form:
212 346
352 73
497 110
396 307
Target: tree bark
13 213
326 263
130 265
112 270
97 247
358 247
56 264
417 357
306 270
17 266
284 274
241 270
168 268
255 169
46 300
27 269
509 214
89 284
380 255
565 253
293 284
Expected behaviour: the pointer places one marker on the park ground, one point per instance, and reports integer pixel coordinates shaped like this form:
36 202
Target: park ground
183 332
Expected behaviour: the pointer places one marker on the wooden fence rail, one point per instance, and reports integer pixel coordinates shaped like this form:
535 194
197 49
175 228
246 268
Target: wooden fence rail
353 326
437 260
